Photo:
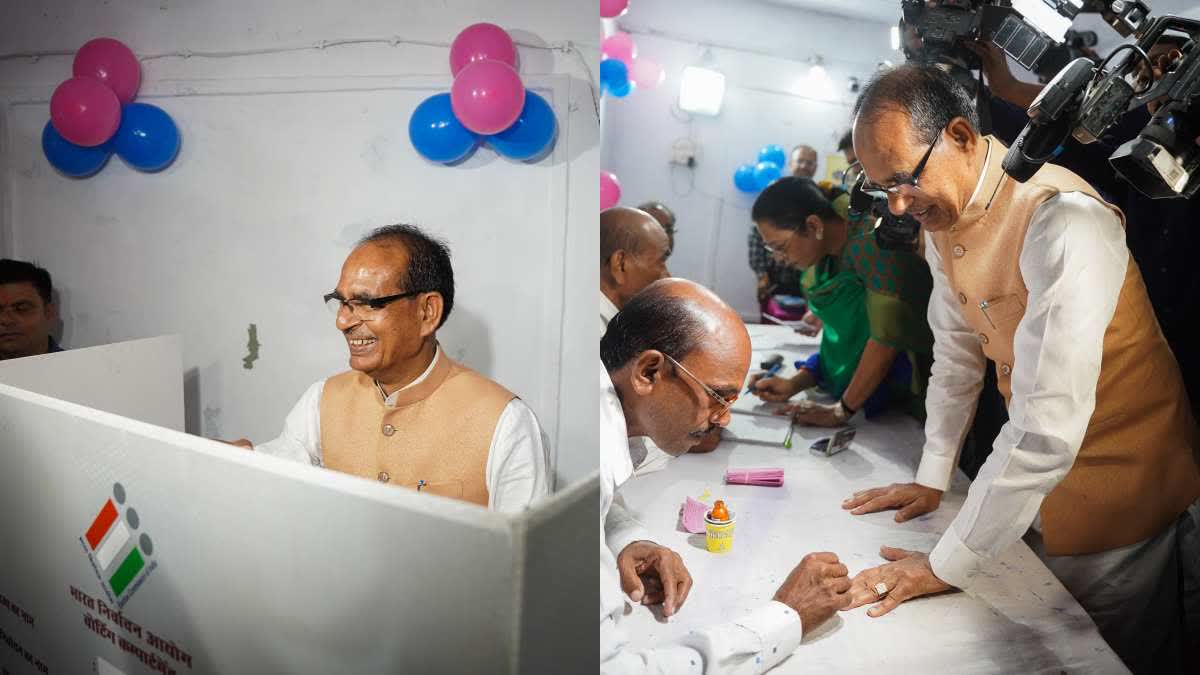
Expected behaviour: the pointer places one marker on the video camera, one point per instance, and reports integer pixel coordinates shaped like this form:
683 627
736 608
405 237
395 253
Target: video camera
1085 100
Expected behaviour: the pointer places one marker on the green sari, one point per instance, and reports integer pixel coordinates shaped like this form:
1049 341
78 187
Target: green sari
863 293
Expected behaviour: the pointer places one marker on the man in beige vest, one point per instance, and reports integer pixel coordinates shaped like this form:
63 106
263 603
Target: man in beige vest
1096 464
406 414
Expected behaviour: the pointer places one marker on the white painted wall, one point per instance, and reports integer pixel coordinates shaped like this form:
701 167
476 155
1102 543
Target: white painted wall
763 50
287 158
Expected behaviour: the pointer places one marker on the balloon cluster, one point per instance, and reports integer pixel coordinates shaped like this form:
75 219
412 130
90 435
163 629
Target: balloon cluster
610 190
757 176
487 102
622 70
93 115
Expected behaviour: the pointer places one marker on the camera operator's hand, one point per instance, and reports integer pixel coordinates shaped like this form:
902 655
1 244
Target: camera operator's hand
1000 79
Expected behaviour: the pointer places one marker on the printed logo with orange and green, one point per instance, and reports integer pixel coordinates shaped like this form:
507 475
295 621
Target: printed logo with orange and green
121 557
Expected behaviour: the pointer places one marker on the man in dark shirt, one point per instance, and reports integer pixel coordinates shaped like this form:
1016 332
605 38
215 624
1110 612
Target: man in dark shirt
27 311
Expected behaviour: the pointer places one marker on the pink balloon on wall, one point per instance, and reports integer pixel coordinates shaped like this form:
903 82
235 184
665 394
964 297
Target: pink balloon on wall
610 9
646 74
85 111
487 97
480 42
610 190
619 46
111 62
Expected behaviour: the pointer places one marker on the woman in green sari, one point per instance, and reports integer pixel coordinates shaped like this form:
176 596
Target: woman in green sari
876 347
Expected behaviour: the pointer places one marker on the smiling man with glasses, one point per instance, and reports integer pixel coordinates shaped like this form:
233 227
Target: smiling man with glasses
406 414
673 362
1095 466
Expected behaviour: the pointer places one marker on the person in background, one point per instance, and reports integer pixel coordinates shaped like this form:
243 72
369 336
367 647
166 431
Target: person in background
853 171
405 413
672 363
877 348
634 249
665 217
1096 467
27 310
802 161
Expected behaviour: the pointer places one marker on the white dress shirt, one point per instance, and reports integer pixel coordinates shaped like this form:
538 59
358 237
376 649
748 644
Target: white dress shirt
517 462
1073 263
752 644
607 311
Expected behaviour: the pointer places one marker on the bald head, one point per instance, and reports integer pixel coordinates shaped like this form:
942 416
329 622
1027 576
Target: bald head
665 217
633 252
676 355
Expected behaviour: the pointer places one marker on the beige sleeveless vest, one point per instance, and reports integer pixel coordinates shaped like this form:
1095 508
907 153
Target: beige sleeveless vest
1135 472
436 438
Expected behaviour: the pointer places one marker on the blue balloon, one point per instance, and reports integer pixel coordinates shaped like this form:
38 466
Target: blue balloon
614 76
72 160
147 139
437 134
772 153
532 133
623 90
765 173
743 178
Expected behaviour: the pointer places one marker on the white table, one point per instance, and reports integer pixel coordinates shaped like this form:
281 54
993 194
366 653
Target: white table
1019 620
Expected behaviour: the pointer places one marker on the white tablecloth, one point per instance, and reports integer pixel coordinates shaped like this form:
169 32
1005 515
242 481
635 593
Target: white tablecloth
1021 619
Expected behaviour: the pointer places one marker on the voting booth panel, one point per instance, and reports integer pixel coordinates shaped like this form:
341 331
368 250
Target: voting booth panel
133 548
141 379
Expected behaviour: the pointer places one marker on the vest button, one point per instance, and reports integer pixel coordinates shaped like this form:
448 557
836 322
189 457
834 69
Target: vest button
1005 369
962 298
959 251
388 430
983 338
384 477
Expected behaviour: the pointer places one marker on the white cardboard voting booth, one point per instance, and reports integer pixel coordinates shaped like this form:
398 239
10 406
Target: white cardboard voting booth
130 547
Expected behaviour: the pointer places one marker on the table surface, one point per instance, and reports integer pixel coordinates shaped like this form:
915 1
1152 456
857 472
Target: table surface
1020 619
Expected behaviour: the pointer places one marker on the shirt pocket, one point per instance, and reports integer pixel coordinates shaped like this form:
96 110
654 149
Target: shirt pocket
1003 312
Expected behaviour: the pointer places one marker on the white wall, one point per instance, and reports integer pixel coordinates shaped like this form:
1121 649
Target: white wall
287 158
763 51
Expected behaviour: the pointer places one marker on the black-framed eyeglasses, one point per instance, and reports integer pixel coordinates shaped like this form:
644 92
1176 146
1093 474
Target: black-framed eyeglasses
363 307
906 187
723 404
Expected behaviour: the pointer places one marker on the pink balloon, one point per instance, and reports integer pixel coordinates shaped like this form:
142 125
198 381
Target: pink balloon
646 74
611 9
111 62
610 190
85 111
487 97
480 42
619 46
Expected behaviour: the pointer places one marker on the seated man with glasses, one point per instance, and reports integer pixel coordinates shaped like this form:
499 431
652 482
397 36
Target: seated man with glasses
673 362
1095 465
406 414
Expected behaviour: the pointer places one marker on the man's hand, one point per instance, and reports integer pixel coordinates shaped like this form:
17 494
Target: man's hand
775 389
911 498
908 576
817 588
814 414
653 574
241 443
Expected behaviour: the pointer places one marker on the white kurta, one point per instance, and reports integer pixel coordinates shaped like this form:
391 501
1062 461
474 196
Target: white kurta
517 462
751 644
607 311
1073 263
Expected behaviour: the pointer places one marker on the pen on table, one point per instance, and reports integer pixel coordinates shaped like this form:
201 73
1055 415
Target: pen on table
787 440
767 373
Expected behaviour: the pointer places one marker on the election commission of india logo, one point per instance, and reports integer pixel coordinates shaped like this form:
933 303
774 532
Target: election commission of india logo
120 555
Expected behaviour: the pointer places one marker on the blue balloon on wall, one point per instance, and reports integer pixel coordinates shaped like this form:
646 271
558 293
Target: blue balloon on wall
147 139
765 173
623 90
773 153
72 160
614 77
437 134
743 178
531 135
